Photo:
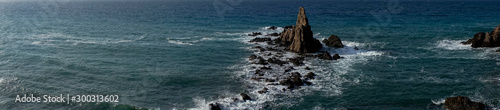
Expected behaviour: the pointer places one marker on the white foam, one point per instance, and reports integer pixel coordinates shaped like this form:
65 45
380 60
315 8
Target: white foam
438 101
452 45
178 42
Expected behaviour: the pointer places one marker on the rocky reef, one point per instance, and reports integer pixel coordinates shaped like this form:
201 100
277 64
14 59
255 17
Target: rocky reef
488 39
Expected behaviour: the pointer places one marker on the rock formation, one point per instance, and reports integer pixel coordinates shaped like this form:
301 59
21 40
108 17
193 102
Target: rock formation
462 103
333 41
299 38
482 39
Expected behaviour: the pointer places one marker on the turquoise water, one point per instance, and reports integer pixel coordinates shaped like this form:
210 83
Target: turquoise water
187 54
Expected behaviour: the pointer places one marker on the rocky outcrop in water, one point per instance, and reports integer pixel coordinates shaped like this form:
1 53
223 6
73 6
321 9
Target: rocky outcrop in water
462 103
333 41
255 34
299 38
482 39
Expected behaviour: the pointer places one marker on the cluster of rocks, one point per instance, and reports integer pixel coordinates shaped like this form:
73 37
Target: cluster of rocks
488 39
274 68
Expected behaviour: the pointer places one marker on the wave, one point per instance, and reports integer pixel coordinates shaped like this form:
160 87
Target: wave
63 39
452 45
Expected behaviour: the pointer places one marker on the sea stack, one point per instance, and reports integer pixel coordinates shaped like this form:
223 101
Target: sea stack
299 38
483 39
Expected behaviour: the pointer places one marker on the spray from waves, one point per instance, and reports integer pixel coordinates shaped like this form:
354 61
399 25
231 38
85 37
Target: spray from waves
330 75
451 45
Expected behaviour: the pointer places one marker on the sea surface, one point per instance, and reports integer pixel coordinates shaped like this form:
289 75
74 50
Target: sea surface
186 54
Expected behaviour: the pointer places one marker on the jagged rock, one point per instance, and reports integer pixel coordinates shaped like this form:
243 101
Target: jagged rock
288 83
258 39
299 38
325 55
261 61
310 75
245 97
273 34
462 103
295 77
260 48
488 39
333 41
264 90
336 56
214 106
272 28
307 68
255 34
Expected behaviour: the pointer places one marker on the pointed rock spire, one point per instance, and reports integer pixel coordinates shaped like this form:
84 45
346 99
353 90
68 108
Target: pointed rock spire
299 38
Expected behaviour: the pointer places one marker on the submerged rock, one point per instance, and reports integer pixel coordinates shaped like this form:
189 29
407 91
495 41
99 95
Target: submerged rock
310 75
272 28
462 103
255 34
333 41
299 38
483 39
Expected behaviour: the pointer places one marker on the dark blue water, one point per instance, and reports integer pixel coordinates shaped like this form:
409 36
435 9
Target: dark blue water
187 54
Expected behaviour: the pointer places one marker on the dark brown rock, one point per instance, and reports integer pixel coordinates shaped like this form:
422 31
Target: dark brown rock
324 55
264 90
272 28
336 56
252 57
488 39
297 61
333 41
258 39
273 34
462 103
245 97
255 34
214 106
299 38
310 75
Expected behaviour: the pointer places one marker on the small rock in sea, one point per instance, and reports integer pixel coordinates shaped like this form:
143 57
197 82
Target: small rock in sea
297 61
252 57
270 80
462 103
497 50
333 41
255 34
264 90
272 28
356 48
265 68
487 39
324 55
273 34
310 75
275 60
307 82
336 56
296 79
214 106
288 83
258 39
245 97
288 69
307 68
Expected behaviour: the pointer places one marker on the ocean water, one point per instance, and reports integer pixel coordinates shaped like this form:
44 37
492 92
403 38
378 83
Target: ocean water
187 54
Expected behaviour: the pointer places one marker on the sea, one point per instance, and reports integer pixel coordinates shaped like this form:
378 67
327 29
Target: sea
186 54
